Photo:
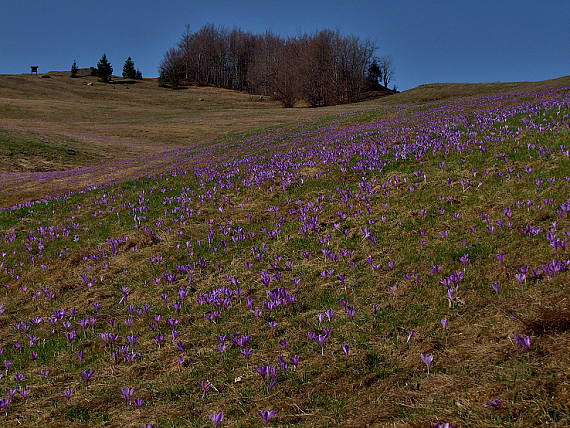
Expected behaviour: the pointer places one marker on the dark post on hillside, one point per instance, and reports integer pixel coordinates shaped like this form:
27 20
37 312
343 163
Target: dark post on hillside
34 69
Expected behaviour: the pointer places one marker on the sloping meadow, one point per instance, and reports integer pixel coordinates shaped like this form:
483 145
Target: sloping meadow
406 265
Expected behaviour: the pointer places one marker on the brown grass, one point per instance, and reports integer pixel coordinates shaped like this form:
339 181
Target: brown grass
123 121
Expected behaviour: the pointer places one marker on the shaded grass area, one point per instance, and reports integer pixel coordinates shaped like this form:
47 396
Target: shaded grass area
33 152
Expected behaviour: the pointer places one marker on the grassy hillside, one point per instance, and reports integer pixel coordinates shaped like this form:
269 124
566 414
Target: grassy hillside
442 91
395 264
59 134
135 117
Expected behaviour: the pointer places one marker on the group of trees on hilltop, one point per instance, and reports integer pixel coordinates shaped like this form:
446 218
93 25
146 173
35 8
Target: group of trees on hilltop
323 68
104 69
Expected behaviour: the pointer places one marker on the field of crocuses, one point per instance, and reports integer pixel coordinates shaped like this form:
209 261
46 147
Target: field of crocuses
399 266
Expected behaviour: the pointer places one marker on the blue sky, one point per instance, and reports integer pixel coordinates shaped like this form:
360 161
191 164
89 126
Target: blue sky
430 41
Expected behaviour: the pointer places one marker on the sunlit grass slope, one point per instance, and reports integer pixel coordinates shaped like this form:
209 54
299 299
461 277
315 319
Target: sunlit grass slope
402 265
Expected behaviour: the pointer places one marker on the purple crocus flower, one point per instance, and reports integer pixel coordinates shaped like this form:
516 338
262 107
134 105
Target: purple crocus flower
295 361
11 392
87 375
24 392
493 404
67 393
4 403
321 339
496 288
427 359
127 393
216 418
267 415
451 295
410 336
138 402
524 341
345 348
246 352
350 310
521 277
444 324
464 259
205 385
500 257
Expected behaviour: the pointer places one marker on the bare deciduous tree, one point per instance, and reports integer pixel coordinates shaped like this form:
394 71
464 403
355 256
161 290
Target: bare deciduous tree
387 70
324 68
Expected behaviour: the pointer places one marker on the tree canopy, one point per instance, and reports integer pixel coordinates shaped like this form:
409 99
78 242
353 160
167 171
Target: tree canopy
323 68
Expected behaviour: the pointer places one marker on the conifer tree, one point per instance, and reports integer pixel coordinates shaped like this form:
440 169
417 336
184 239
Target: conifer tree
129 71
74 69
162 79
174 80
104 69
374 72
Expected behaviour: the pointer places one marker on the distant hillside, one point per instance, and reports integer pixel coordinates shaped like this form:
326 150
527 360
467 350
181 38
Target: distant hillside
440 91
60 123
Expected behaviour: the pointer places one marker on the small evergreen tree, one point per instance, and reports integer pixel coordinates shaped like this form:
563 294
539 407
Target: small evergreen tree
104 69
138 75
129 71
374 72
162 79
74 69
174 80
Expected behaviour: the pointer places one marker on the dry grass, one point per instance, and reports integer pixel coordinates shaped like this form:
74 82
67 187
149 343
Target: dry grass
382 382
113 126
137 118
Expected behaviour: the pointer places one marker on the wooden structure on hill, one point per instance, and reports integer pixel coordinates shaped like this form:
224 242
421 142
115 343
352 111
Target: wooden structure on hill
34 69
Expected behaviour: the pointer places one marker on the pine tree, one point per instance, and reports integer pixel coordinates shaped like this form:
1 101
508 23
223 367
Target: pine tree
374 72
162 79
174 80
129 71
74 69
104 69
